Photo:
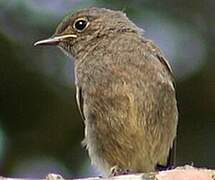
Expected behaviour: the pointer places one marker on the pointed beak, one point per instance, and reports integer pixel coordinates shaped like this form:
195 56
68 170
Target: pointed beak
54 40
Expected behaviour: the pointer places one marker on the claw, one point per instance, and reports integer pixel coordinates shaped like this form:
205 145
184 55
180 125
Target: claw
116 171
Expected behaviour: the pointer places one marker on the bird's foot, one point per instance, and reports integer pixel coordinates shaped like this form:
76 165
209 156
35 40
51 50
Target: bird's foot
54 177
116 171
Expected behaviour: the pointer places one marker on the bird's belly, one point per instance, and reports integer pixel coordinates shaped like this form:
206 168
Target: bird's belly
113 149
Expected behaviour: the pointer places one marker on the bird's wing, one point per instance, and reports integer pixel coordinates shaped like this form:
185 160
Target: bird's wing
171 162
160 56
79 100
167 90
164 61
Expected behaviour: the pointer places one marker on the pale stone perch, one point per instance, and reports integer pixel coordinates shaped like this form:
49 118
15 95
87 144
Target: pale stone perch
180 173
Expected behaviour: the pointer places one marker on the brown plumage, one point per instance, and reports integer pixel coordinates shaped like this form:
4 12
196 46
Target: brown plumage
125 90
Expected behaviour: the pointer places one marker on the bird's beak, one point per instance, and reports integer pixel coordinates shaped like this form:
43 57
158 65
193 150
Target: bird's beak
54 40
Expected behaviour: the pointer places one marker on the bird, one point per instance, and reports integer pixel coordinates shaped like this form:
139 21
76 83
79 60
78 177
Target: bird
125 91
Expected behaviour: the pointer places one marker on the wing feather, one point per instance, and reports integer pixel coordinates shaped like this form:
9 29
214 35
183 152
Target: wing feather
80 101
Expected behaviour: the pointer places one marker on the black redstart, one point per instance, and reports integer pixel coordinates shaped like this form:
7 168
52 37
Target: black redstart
125 90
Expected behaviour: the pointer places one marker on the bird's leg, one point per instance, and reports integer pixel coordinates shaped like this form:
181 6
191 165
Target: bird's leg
117 171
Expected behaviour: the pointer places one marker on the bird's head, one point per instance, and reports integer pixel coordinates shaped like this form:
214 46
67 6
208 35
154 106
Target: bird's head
87 27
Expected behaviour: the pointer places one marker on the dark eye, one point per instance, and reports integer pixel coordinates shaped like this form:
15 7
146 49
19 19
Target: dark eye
80 24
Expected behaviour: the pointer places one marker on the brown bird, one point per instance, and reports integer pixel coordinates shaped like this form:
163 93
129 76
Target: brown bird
125 90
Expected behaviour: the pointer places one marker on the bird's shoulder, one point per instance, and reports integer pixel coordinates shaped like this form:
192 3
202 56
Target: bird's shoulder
138 50
156 51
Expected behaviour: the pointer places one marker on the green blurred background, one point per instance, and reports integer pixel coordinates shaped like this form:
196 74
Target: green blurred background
40 127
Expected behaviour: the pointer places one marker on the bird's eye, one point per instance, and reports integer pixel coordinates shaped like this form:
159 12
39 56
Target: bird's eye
80 24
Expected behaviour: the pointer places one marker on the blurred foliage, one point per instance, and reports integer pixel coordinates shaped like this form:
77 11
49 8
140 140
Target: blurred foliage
39 120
